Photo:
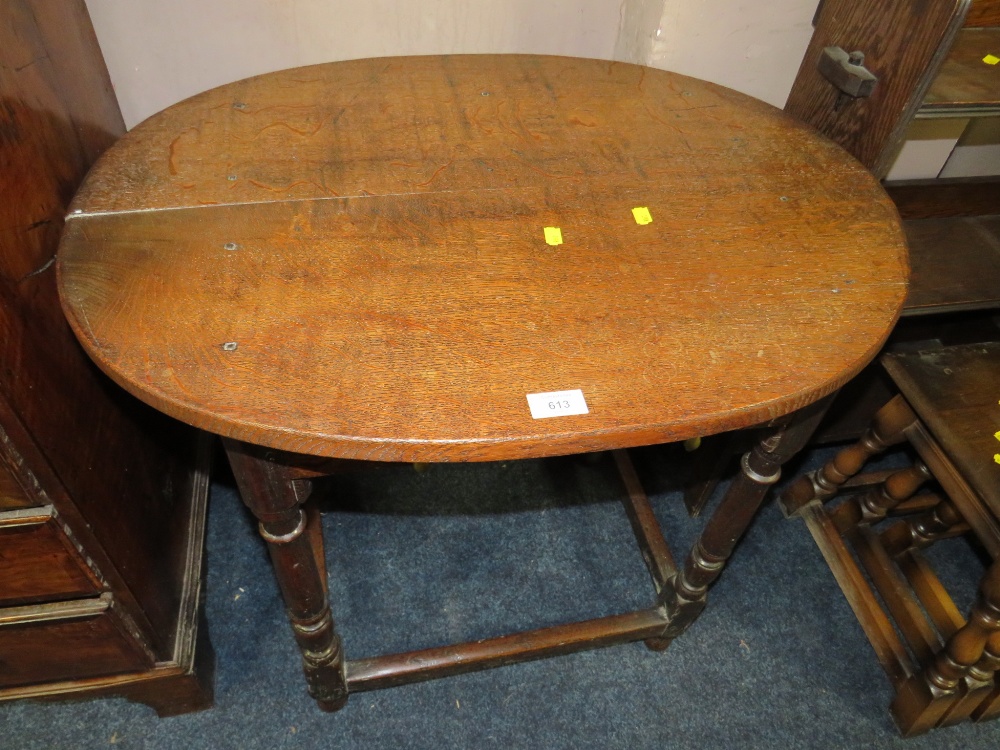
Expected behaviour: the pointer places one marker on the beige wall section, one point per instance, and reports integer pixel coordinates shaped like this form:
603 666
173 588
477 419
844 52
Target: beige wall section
161 52
926 148
753 46
639 22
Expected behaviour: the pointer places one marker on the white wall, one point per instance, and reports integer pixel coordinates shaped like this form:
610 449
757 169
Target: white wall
159 52
753 46
639 22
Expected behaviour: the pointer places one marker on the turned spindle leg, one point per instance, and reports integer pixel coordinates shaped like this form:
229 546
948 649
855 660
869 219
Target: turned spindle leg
684 597
886 429
294 541
922 530
874 505
989 666
925 698
977 689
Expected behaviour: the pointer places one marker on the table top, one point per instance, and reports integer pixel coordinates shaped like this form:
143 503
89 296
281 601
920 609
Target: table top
955 390
350 259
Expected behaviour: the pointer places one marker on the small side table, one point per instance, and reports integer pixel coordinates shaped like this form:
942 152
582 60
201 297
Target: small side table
941 663
479 258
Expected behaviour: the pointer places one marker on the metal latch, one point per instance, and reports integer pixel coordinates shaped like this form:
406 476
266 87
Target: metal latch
847 71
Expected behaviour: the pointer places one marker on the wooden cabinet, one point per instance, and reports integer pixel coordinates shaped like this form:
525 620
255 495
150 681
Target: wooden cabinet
102 500
928 57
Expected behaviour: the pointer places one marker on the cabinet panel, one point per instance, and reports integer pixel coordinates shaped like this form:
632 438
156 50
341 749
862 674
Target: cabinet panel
38 562
68 640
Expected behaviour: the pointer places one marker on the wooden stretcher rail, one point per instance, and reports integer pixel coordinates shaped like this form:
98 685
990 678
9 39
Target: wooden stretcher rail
414 666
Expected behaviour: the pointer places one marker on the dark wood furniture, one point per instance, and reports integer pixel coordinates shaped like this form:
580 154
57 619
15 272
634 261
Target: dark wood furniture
942 665
918 51
928 58
357 261
922 53
102 500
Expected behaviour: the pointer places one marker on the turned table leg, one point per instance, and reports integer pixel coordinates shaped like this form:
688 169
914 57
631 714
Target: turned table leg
686 594
925 698
294 542
885 430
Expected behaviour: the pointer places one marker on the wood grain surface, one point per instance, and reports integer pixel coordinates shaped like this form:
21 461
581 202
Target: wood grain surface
966 80
955 264
983 13
941 198
954 391
348 260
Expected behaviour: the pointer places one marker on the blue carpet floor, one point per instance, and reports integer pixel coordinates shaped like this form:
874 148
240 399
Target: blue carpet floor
461 552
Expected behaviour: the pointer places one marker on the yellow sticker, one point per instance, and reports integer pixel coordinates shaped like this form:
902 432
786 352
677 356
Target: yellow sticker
996 457
642 215
991 59
553 235
996 435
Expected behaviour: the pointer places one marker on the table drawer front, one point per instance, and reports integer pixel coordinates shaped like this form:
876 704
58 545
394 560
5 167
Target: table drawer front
38 562
12 496
66 641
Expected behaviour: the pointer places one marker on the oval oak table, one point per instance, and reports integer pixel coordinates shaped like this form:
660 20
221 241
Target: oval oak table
382 259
